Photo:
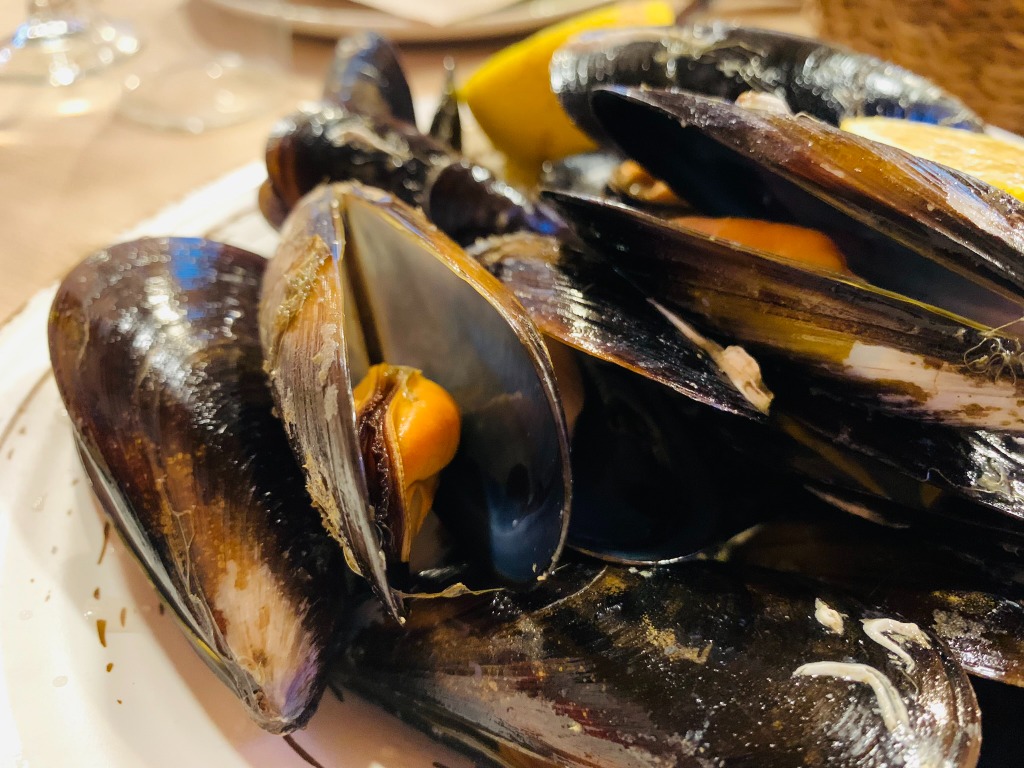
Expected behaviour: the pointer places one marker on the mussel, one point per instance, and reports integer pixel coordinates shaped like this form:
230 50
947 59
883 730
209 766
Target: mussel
970 597
365 130
370 317
919 343
726 61
574 302
361 279
156 354
325 142
366 77
468 204
571 301
692 665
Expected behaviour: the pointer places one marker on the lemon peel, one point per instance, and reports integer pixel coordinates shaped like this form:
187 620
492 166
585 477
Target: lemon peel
995 161
510 94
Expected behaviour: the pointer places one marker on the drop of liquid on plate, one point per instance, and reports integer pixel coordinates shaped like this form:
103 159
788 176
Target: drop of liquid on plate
106 540
25 615
60 681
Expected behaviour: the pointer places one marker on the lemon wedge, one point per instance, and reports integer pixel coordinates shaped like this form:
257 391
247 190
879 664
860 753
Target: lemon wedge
993 160
510 94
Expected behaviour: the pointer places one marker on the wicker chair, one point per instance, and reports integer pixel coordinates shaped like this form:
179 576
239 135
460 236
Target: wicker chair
974 48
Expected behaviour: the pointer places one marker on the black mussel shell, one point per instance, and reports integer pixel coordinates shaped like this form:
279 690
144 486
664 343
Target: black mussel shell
968 597
726 61
681 665
156 354
359 279
904 223
366 77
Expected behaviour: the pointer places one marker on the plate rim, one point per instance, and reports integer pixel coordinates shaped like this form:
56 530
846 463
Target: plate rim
319 21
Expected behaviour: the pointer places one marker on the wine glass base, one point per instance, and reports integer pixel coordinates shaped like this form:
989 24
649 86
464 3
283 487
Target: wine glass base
195 95
60 51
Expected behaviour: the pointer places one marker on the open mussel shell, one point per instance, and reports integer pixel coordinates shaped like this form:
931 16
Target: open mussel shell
861 369
726 61
691 665
573 297
889 352
156 354
905 224
361 278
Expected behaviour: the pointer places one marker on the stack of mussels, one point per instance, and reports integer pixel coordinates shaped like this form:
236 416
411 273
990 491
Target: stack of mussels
707 405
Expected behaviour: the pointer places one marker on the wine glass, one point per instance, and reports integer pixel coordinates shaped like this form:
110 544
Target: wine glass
61 41
205 67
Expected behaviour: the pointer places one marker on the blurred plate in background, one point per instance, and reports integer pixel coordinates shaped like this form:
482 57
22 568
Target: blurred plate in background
334 18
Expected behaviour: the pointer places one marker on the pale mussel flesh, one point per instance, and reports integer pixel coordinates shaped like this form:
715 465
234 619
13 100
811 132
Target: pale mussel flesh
362 279
156 354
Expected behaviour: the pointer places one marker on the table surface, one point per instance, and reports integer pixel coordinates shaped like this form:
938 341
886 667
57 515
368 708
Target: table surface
69 184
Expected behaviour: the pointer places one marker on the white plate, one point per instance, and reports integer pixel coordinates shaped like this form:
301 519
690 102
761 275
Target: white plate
329 18
144 698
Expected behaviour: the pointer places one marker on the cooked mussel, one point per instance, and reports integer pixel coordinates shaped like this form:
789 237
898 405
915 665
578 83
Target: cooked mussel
727 61
892 353
968 597
905 224
916 369
361 279
324 142
692 665
156 354
574 299
365 131
367 113
366 77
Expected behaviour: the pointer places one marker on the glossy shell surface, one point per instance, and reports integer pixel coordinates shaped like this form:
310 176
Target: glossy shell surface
155 351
